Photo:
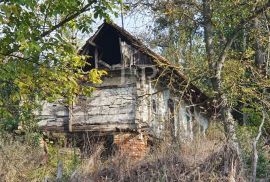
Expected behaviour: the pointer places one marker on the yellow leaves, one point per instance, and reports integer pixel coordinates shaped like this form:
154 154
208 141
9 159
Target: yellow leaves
14 9
169 12
249 53
23 45
233 74
87 90
233 71
10 9
76 58
23 85
72 25
95 76
248 90
78 61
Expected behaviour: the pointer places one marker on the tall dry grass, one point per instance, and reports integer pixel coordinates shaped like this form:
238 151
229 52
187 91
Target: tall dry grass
24 162
18 161
198 160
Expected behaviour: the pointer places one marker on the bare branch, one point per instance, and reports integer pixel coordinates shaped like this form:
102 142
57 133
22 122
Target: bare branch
255 151
66 20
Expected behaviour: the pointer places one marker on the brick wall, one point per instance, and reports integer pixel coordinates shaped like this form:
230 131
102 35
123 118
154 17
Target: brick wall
132 145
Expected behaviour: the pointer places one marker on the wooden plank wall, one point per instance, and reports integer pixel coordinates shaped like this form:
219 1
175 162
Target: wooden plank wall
132 56
154 113
110 107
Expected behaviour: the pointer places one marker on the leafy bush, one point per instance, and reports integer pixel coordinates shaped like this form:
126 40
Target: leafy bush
27 161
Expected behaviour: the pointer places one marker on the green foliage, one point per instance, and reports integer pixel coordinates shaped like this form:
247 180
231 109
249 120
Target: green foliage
38 53
254 117
9 124
39 61
263 165
178 32
246 136
69 158
196 36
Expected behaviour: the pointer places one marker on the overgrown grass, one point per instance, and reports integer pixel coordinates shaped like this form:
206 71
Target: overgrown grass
22 159
200 160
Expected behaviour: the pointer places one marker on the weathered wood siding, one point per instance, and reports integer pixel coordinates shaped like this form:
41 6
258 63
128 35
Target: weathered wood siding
152 108
132 56
125 102
160 111
110 107
106 106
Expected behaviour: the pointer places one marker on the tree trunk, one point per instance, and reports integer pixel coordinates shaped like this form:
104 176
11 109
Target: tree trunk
208 34
255 151
231 153
259 55
232 156
259 61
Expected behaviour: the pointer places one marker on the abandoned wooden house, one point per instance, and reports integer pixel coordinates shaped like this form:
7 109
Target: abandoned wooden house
143 96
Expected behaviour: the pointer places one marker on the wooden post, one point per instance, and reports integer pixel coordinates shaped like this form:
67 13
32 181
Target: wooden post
96 58
121 53
122 62
70 116
59 171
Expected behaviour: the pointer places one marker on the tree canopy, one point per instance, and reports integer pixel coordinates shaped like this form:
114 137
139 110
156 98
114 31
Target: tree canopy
224 48
39 51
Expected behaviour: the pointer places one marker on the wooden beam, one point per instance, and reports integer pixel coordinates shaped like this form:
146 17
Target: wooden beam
96 58
121 53
93 128
70 117
92 43
105 64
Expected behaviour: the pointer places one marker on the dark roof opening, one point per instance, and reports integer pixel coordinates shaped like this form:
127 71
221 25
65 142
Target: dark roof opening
109 46
91 59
